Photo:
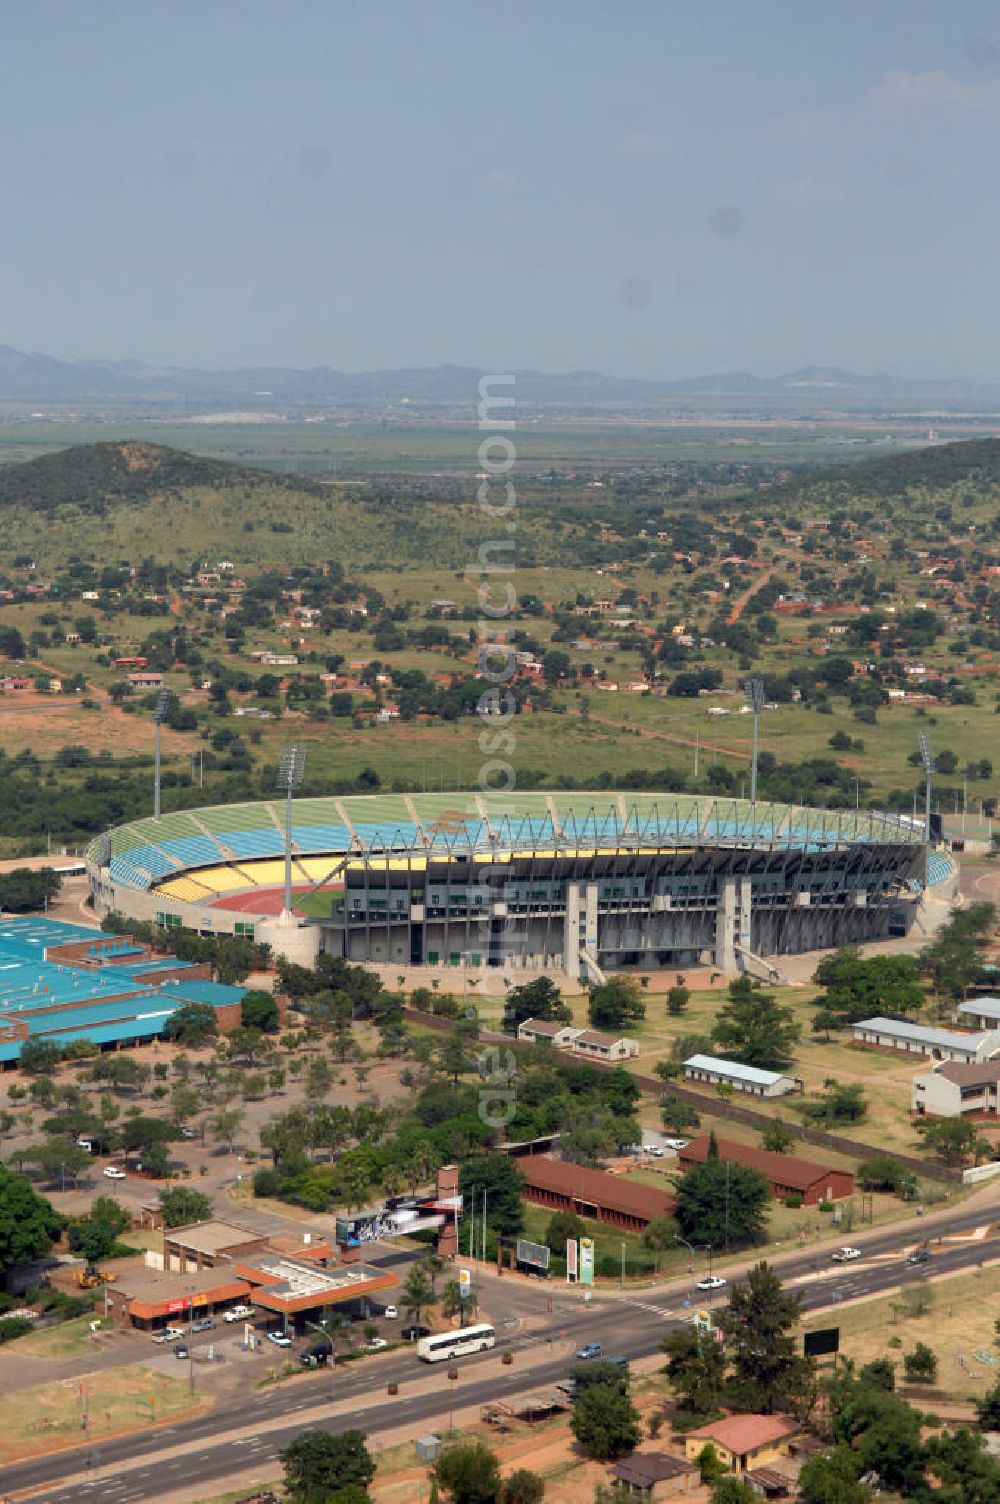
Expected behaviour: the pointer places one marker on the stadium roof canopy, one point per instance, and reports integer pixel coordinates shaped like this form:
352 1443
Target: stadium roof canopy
438 826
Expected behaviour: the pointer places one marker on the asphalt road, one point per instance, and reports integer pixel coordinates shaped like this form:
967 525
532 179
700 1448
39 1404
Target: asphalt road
632 1327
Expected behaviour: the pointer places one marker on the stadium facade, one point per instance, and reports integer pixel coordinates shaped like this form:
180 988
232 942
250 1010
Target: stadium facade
582 883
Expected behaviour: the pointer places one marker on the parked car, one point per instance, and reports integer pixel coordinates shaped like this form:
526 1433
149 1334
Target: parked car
919 1256
655 1151
115 1172
317 1354
169 1334
589 1350
280 1339
676 1143
376 1344
391 1313
237 1313
845 1255
414 1332
181 1351
190 1133
711 1282
203 1324
86 1143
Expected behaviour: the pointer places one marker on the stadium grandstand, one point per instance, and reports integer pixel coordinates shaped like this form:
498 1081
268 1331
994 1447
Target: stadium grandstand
66 983
581 883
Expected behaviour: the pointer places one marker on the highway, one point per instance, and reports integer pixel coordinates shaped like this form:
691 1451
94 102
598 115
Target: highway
128 1469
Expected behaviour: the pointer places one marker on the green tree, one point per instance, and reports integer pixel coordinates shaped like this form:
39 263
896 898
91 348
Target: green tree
756 1326
259 1011
721 1204
678 998
417 1292
39 1057
616 1004
856 987
987 1408
192 1024
316 1464
497 1177
523 1487
842 1102
59 1157
880 1373
181 1205
562 1225
92 1238
107 1209
777 1136
225 1126
952 1140
754 1027
921 1365
729 1489
833 1478
469 1474
538 999
28 1223
696 1369
605 1422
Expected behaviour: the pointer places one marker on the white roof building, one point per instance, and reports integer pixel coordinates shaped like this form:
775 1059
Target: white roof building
748 1078
919 1039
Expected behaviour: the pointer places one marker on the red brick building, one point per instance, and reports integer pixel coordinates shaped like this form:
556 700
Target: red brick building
593 1193
786 1174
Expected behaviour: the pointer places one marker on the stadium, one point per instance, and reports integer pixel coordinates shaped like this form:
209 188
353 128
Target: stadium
582 883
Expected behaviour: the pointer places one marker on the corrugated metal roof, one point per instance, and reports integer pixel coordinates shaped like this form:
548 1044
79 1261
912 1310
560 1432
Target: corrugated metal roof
898 1028
981 1007
733 1068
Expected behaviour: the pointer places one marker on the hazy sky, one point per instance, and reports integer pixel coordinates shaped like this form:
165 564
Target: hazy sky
647 187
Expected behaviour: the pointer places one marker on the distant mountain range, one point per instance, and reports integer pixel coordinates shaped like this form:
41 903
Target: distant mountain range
27 378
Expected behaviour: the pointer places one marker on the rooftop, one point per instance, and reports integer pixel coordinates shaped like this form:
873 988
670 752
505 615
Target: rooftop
981 1007
212 1237
978 1073
735 1070
899 1028
745 1433
285 1283
596 1187
780 1169
643 1469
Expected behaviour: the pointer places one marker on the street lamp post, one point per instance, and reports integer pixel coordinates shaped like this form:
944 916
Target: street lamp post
927 759
333 1351
291 771
754 691
159 716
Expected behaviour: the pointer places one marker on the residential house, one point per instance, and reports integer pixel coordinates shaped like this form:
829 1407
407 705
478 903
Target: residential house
654 1476
544 1031
604 1046
743 1442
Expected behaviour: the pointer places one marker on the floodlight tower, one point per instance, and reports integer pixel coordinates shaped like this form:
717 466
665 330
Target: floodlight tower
754 691
159 716
291 770
927 758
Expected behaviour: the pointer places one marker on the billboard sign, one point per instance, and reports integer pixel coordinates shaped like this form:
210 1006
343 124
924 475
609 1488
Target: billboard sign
465 1283
586 1261
535 1254
817 1344
571 1264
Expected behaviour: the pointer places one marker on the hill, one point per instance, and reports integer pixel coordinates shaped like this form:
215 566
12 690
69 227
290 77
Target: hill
90 477
968 470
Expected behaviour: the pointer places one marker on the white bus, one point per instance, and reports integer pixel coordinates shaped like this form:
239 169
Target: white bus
470 1339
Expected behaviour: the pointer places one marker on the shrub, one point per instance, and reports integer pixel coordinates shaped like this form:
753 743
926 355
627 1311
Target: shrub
14 1326
824 1206
793 1202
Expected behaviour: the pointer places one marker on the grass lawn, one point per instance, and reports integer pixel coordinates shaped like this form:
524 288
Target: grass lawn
959 1321
69 1339
48 1416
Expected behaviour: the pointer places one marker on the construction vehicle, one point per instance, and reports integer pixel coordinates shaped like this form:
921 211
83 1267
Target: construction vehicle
91 1277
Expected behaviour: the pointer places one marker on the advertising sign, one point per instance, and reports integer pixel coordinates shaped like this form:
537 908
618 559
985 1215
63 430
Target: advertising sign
825 1340
535 1254
465 1283
571 1264
173 1306
586 1261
